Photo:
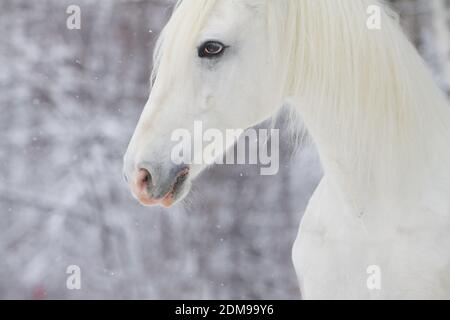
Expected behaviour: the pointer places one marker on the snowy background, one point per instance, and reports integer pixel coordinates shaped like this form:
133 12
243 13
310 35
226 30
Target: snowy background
69 102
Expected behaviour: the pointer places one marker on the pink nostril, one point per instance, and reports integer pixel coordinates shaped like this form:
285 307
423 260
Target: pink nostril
143 179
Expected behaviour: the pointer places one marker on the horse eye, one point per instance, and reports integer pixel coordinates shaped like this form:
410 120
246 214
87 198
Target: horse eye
211 49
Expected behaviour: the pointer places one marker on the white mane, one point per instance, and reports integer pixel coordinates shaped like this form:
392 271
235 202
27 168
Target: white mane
365 85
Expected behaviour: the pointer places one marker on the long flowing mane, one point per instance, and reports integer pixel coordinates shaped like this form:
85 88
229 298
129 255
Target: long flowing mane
364 92
368 89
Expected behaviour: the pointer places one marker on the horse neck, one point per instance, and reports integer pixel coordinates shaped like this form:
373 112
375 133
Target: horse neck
381 125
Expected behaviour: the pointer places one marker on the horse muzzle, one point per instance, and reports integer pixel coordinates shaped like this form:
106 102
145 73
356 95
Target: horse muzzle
154 185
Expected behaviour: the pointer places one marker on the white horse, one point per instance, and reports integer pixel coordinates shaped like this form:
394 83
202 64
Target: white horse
378 225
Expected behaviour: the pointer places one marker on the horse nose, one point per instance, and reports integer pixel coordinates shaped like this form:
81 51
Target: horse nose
153 186
143 181
142 186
